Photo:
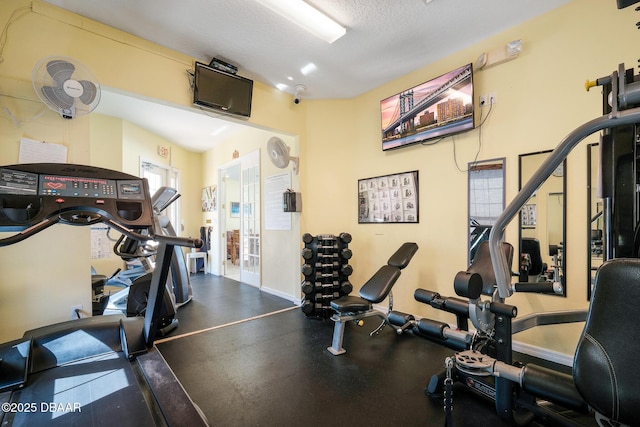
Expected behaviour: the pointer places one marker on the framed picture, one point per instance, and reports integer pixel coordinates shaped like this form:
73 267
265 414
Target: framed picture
235 209
209 199
388 199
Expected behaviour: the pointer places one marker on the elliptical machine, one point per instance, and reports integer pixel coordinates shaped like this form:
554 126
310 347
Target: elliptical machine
132 300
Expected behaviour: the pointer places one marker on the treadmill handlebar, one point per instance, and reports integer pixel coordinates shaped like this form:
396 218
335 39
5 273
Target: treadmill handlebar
28 232
82 218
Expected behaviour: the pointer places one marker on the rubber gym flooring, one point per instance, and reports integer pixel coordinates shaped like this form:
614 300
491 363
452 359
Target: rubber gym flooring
248 358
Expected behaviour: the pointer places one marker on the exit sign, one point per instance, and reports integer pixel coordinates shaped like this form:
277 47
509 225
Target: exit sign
163 151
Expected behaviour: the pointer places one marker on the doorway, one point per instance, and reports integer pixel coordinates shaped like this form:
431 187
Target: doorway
230 220
240 219
161 176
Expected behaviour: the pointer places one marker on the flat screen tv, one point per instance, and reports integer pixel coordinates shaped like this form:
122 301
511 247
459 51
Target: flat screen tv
438 108
220 91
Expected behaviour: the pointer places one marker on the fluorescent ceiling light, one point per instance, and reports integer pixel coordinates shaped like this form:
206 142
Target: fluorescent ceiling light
307 17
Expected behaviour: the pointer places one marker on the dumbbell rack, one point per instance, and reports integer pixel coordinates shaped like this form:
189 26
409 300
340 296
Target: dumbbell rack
326 272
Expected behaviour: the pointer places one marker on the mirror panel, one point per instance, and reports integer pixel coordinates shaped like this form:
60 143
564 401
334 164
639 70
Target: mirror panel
486 200
543 225
595 219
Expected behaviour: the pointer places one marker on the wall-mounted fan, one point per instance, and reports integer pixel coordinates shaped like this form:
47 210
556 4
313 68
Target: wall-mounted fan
279 154
66 86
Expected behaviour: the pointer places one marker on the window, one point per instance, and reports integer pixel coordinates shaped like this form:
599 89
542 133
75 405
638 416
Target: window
161 176
486 200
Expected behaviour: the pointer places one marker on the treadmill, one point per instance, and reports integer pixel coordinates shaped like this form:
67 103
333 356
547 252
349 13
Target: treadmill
102 370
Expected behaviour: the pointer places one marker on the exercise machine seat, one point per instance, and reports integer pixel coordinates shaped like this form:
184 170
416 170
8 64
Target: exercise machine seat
531 246
483 266
605 367
466 283
350 304
377 288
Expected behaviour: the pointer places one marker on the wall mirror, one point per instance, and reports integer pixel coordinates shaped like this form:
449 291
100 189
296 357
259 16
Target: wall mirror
595 219
542 240
486 200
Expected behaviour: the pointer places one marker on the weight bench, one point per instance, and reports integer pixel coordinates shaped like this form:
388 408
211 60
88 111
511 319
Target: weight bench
375 290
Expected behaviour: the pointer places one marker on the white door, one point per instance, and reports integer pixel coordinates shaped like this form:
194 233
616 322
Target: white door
250 219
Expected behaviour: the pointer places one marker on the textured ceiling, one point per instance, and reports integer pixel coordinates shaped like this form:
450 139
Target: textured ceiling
385 39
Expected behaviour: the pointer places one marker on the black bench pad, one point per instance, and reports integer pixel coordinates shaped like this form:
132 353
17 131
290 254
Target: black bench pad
379 285
403 255
350 304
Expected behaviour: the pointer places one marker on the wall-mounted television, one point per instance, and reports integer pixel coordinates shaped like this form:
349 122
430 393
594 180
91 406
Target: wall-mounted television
437 108
220 91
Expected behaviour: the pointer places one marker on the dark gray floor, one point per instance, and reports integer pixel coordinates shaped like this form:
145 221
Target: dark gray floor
276 371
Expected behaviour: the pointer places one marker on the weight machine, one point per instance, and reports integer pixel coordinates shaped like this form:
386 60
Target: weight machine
605 378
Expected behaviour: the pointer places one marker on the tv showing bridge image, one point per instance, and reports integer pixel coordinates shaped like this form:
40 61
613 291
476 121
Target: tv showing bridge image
435 109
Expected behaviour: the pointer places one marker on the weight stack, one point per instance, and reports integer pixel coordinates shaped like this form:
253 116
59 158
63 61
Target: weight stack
326 272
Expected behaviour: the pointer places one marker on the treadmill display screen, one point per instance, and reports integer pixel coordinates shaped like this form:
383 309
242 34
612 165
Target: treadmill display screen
68 186
131 189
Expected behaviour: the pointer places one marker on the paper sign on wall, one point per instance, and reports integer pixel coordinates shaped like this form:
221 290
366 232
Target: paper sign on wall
32 151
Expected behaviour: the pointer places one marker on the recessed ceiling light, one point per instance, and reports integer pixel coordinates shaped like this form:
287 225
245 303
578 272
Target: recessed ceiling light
290 78
282 87
307 17
218 131
308 69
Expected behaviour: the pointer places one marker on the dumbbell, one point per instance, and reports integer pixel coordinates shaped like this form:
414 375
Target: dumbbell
308 287
345 237
307 269
346 253
346 269
346 287
320 297
308 307
332 275
306 253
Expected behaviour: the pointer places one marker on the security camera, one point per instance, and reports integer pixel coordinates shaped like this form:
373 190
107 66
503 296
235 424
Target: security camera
298 91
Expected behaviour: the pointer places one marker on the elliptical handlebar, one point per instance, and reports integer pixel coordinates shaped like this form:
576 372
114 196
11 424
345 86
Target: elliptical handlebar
169 240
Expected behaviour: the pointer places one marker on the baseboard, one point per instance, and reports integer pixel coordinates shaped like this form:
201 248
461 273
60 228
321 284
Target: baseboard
281 294
543 353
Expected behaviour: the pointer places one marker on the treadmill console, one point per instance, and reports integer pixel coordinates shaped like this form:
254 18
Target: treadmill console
31 193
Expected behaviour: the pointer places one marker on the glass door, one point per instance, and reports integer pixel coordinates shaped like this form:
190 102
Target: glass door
250 219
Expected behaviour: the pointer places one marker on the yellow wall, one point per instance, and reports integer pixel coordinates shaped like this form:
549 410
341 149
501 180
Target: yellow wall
540 99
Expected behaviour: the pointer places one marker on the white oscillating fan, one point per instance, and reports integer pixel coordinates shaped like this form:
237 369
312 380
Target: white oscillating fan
66 86
279 154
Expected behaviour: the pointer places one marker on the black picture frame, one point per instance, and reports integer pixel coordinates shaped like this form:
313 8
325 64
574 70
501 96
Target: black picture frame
389 199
